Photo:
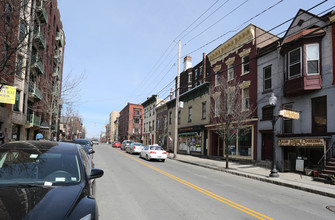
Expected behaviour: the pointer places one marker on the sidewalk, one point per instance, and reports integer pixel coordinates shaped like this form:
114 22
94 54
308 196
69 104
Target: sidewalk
287 179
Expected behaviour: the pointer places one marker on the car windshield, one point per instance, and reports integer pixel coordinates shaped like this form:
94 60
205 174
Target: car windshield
47 168
155 148
138 144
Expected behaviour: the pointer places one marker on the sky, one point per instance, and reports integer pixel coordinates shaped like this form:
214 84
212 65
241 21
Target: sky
128 50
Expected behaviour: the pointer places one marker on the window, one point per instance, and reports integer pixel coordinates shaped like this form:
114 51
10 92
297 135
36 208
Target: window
203 111
190 114
190 77
158 124
17 101
165 122
230 101
230 72
319 115
153 124
267 113
19 66
267 84
287 123
136 120
201 71
217 79
245 99
24 102
312 59
179 117
244 141
245 66
196 74
22 31
150 126
8 14
294 58
217 107
170 118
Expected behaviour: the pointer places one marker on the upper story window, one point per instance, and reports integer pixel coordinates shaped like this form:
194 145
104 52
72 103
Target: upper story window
16 106
312 59
170 117
190 113
319 115
196 74
267 113
217 107
245 99
9 14
245 66
287 123
19 66
200 71
230 72
294 62
179 116
267 81
190 77
203 110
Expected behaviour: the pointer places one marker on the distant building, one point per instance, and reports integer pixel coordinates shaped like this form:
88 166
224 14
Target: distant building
130 122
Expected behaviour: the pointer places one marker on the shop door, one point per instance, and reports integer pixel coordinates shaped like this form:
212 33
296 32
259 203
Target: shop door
291 160
267 147
214 144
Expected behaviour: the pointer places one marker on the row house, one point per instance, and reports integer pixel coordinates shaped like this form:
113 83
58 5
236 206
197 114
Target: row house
38 65
130 122
71 128
112 127
149 119
299 70
233 93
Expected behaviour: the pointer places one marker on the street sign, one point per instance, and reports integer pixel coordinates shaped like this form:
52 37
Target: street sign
289 114
8 94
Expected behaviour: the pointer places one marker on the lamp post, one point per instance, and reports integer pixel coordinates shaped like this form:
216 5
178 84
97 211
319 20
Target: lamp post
274 171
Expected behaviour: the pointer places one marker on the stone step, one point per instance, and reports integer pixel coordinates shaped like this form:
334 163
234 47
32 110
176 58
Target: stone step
328 172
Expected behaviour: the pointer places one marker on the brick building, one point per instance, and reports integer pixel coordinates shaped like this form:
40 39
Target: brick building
130 122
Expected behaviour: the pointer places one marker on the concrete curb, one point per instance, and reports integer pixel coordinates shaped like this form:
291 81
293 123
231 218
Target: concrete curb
260 178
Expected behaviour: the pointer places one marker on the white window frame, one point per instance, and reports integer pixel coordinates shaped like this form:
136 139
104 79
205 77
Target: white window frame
307 59
289 64
265 79
230 72
244 73
245 99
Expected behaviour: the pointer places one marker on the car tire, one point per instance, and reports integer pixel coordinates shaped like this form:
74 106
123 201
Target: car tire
163 160
147 158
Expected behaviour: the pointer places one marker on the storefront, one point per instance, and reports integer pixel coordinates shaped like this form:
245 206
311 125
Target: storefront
191 141
302 154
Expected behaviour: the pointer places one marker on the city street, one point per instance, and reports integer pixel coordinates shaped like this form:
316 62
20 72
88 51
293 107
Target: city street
133 188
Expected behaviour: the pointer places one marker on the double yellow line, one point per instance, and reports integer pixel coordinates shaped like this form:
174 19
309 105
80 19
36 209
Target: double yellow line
206 192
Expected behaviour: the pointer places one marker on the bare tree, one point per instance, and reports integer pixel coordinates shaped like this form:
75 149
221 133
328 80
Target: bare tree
230 110
15 30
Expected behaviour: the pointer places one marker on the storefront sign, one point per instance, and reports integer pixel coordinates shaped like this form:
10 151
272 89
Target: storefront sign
8 94
302 142
289 114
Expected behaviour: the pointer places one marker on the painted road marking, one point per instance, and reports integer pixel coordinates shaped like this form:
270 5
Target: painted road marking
206 192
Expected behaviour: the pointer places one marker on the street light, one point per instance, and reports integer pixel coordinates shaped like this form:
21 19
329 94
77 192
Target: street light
273 102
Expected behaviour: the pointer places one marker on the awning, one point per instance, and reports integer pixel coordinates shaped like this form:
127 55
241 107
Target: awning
188 134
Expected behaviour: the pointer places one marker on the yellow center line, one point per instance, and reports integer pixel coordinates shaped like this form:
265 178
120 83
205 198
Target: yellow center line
206 192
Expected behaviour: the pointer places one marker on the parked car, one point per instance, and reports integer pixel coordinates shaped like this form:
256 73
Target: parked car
95 141
86 145
153 152
47 180
134 147
116 144
125 143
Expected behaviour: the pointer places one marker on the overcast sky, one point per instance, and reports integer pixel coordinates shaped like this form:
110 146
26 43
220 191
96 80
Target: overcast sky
128 49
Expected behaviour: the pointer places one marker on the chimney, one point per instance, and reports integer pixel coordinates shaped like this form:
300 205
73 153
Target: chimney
187 62
171 94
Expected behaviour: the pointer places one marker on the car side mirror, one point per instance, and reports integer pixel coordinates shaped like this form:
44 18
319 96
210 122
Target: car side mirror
96 173
91 152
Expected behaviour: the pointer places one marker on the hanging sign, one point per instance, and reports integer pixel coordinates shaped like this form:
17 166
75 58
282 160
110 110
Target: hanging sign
8 94
289 114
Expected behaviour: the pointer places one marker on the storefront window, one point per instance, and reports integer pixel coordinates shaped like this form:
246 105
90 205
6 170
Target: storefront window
244 142
190 142
232 146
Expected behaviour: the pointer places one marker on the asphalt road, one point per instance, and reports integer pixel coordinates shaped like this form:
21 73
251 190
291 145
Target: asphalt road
133 188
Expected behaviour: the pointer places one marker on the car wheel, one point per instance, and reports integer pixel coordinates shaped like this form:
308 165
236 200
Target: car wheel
147 158
163 160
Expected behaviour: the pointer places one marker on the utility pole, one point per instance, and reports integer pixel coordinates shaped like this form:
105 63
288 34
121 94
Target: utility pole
177 105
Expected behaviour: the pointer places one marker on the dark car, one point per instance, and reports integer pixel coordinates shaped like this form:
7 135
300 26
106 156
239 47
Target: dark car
86 144
47 180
